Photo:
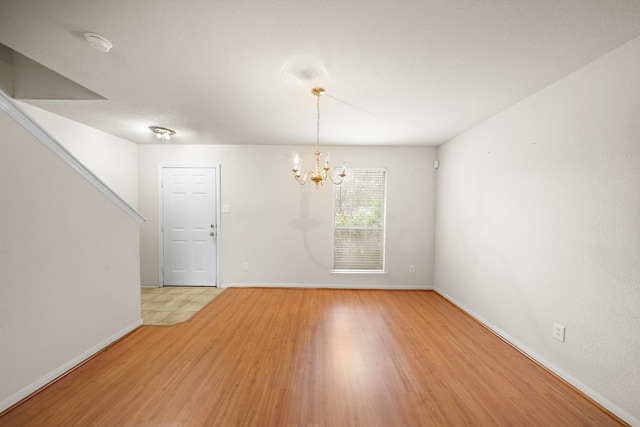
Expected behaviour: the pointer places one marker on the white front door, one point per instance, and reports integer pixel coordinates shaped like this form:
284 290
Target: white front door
189 226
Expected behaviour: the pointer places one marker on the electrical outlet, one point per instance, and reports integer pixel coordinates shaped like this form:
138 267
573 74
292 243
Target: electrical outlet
412 269
558 332
245 266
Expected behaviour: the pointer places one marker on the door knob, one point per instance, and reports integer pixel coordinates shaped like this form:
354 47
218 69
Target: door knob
212 234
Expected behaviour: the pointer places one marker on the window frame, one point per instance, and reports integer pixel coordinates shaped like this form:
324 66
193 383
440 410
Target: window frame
383 238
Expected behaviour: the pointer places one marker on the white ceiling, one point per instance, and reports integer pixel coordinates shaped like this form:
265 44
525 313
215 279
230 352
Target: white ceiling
403 72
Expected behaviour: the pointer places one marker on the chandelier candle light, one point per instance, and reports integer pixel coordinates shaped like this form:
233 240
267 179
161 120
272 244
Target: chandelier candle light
320 175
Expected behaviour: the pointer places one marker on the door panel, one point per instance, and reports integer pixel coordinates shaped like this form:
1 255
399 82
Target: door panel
179 262
189 220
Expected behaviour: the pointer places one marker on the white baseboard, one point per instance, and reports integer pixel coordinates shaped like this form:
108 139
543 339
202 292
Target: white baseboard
619 412
41 382
327 286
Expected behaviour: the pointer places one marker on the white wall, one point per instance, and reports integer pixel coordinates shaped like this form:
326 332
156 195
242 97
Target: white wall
114 160
284 230
69 270
538 221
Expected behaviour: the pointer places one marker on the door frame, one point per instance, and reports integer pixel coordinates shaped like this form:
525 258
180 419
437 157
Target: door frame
216 168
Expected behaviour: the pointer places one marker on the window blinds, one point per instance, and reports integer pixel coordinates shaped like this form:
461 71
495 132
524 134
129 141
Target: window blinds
359 220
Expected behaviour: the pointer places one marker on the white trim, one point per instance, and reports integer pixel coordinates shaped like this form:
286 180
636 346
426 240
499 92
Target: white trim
625 416
329 286
216 168
31 126
160 233
218 222
41 382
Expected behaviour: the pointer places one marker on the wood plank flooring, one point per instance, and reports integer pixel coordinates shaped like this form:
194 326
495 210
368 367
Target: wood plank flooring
313 357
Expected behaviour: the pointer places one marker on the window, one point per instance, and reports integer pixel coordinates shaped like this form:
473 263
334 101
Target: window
359 221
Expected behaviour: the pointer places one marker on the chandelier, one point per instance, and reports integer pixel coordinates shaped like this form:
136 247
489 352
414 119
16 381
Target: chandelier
164 134
319 175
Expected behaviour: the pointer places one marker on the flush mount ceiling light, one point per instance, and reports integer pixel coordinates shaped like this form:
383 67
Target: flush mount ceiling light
98 42
319 175
162 133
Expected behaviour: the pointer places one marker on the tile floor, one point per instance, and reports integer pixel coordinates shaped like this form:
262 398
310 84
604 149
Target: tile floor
174 304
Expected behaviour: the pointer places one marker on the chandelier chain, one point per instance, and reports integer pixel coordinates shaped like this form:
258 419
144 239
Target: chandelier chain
318 123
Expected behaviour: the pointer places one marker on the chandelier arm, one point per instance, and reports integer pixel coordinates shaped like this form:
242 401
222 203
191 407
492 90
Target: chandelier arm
336 181
303 179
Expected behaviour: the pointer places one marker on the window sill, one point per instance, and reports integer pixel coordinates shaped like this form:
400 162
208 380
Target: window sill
358 272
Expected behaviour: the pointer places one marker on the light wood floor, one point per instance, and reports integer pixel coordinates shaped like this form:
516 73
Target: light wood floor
280 357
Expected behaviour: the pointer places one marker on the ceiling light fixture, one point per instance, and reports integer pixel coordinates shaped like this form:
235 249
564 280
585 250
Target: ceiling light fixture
320 175
162 133
98 42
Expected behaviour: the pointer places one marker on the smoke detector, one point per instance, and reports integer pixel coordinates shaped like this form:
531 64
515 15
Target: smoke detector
98 42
